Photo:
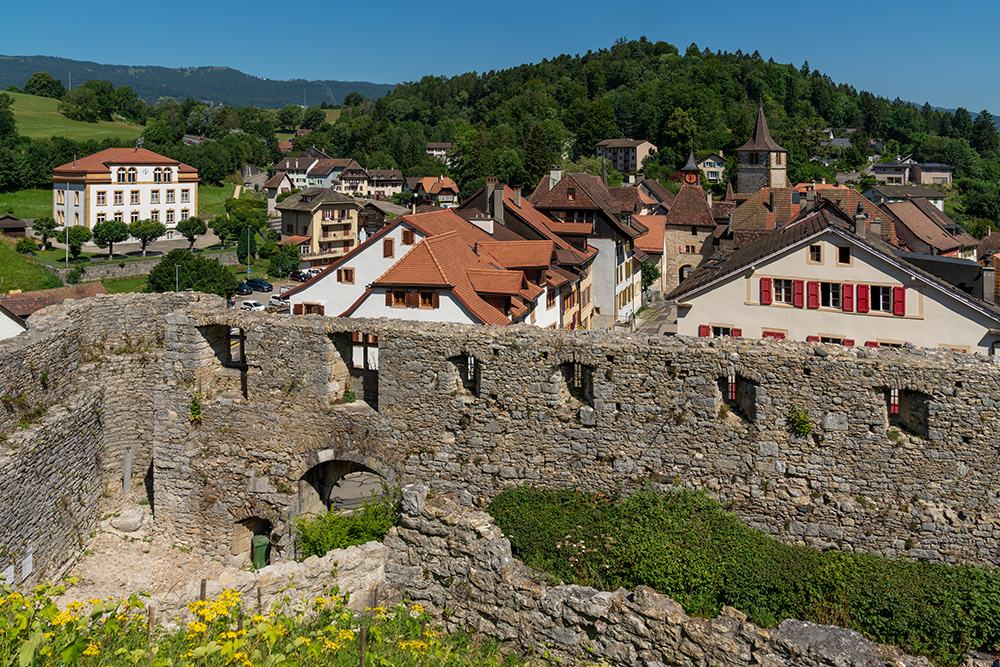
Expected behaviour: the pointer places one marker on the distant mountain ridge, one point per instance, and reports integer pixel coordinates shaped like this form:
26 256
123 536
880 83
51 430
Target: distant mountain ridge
220 85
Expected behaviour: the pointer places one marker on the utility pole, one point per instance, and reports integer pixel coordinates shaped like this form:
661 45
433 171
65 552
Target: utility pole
177 283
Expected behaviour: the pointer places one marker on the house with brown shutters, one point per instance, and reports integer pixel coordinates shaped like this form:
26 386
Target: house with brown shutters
827 278
322 222
436 190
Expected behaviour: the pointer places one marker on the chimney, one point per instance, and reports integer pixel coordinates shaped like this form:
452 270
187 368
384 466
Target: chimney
875 227
989 285
517 196
860 219
772 201
810 196
555 175
413 207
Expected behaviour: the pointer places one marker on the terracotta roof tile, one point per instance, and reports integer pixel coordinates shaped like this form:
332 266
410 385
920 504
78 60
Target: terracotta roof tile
652 241
26 303
521 254
102 161
276 180
690 208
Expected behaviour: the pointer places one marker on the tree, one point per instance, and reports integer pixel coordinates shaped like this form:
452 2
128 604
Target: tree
247 244
984 133
679 130
962 123
353 99
110 232
313 117
44 84
146 231
289 117
650 274
8 126
285 260
191 229
191 271
78 235
45 229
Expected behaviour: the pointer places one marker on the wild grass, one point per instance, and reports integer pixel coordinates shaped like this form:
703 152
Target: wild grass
39 118
22 272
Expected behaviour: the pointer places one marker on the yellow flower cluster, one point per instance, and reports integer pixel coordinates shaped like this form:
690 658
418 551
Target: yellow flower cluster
93 648
209 610
413 645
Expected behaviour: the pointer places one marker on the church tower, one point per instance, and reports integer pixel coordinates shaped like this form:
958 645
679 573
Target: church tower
761 162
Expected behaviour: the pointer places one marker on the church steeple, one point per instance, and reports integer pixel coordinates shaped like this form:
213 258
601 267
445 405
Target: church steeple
762 162
691 171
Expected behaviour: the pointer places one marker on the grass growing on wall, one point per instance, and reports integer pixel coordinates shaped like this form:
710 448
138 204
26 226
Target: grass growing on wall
314 633
685 545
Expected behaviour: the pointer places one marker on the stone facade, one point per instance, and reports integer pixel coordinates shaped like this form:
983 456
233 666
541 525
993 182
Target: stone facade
457 563
246 441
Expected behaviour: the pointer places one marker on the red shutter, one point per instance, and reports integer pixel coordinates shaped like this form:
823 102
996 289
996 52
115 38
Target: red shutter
849 342
812 289
812 339
777 335
298 309
765 291
704 330
847 297
863 298
798 287
437 300
899 301
871 343
388 298
737 333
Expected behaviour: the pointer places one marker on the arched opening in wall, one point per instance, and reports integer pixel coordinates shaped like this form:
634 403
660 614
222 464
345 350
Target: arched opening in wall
337 485
684 272
228 345
354 368
907 409
467 375
252 541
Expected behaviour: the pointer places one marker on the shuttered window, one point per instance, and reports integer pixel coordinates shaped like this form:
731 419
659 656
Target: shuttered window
812 294
387 248
765 291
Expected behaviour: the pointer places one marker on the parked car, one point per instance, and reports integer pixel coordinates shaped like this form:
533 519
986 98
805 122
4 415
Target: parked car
243 289
260 285
300 276
278 302
252 305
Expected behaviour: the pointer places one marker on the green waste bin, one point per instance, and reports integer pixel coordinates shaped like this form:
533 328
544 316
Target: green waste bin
258 550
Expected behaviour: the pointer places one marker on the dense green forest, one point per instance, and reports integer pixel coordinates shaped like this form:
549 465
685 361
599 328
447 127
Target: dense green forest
515 123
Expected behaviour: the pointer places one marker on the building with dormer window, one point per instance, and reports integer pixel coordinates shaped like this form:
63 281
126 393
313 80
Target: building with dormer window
125 184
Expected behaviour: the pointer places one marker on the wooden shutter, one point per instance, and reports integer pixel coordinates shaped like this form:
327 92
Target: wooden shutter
298 309
812 293
737 333
704 330
414 299
847 297
765 292
387 249
407 237
798 287
849 342
437 300
871 343
899 301
356 336
863 298
320 310
812 339
388 298
340 275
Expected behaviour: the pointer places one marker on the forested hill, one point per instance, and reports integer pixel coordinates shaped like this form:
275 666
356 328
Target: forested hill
220 85
514 123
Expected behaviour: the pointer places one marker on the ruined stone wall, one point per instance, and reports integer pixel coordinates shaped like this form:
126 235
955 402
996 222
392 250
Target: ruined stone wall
635 409
50 487
456 563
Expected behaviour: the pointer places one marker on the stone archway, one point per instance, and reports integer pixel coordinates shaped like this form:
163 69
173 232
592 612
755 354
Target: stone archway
249 521
339 480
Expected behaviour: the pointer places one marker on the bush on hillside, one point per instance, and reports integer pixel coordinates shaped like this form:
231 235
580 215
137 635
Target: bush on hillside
685 545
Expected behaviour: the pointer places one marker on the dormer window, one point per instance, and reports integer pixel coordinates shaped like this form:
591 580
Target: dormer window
167 175
571 194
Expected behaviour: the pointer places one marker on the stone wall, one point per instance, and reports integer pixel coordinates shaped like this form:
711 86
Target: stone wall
458 565
641 409
128 269
50 489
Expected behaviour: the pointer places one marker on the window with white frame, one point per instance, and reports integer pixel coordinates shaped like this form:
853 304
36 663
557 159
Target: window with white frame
782 290
881 299
830 295
170 216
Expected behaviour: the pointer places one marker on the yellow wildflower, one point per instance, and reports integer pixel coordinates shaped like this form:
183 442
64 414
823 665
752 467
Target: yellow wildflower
92 649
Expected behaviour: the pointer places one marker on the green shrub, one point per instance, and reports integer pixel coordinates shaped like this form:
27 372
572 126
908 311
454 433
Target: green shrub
798 422
26 245
683 544
319 533
73 277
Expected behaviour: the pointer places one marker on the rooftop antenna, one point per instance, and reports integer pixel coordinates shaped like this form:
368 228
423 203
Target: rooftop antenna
138 144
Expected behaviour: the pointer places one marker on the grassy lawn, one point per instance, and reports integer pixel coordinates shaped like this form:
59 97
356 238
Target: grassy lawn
212 199
39 118
21 272
332 115
123 285
27 203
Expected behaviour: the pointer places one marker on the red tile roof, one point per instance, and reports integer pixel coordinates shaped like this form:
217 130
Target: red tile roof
276 180
690 208
294 240
433 185
521 254
652 241
102 161
929 225
26 303
496 282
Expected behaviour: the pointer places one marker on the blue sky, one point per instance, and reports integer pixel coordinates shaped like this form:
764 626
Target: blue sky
942 53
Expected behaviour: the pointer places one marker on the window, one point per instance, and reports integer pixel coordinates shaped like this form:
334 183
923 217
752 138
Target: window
816 254
571 194
398 299
387 248
690 249
408 237
61 217
154 216
783 291
131 174
345 276
76 198
892 401
157 175
76 218
120 176
429 300
134 217
289 229
722 332
167 175
313 309
60 197
185 214
185 196
101 217
170 216
844 255
694 231
880 299
119 217
830 295
102 198
119 196
170 196
836 340
154 197
550 298
133 197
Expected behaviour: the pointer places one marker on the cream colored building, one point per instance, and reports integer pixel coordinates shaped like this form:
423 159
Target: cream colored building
126 184
322 222
817 280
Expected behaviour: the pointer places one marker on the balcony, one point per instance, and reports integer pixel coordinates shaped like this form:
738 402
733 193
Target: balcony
326 254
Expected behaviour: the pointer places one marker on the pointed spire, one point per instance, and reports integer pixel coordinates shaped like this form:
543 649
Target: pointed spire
761 139
730 195
692 164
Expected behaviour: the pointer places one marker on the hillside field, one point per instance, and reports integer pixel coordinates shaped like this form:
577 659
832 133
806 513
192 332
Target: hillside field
23 273
39 118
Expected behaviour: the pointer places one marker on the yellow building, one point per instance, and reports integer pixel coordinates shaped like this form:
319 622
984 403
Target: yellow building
322 222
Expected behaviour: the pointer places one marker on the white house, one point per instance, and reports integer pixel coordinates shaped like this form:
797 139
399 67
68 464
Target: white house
818 279
125 184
